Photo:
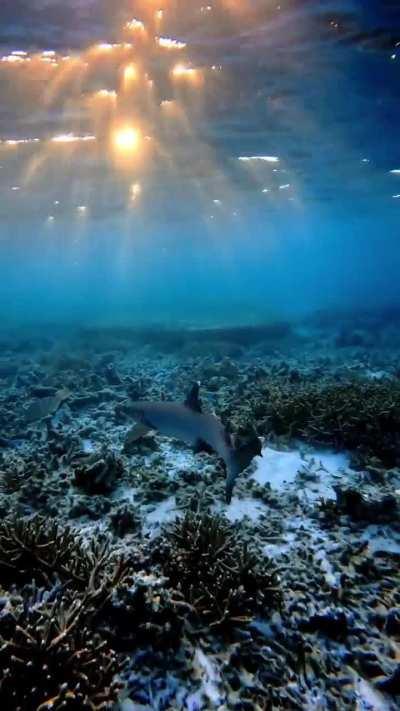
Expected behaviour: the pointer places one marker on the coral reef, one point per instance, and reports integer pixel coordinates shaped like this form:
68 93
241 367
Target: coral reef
351 502
220 578
99 474
109 550
52 654
353 413
51 659
357 415
40 549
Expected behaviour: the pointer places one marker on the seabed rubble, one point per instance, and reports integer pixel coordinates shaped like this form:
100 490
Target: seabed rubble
127 583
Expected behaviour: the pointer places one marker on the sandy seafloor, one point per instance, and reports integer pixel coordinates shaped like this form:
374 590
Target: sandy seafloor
339 569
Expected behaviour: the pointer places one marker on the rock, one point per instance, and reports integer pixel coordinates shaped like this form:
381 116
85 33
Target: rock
390 685
350 338
392 623
215 383
93 507
135 389
333 623
352 503
370 665
124 520
46 406
228 369
8 369
83 401
99 476
294 376
111 375
43 391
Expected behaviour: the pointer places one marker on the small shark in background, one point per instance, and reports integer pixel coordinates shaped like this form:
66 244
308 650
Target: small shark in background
187 422
46 406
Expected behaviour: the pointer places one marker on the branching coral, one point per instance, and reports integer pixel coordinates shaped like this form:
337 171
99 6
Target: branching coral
221 581
50 659
358 415
41 549
52 654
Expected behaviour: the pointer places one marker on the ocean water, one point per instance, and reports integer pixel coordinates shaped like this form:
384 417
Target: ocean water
176 228
199 355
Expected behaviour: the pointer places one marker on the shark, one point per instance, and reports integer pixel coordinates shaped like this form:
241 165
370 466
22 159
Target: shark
187 422
46 406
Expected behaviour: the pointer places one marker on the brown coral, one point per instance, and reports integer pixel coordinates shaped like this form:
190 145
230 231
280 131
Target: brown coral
219 578
41 549
50 659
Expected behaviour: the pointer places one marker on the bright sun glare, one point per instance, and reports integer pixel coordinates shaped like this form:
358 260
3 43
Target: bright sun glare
126 140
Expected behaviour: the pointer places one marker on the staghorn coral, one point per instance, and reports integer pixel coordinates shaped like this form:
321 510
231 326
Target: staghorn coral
358 415
221 581
41 549
51 633
51 659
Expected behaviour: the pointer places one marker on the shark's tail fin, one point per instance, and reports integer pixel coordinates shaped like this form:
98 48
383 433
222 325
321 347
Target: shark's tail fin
242 455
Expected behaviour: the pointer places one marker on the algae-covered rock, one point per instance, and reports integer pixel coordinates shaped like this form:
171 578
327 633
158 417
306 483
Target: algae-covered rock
351 502
99 476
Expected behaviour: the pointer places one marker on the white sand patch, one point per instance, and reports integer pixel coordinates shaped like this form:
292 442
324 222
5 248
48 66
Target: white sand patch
177 460
273 550
124 494
129 705
311 475
90 529
174 458
203 690
241 508
164 512
88 446
332 579
207 671
277 468
301 532
315 700
377 374
369 699
382 539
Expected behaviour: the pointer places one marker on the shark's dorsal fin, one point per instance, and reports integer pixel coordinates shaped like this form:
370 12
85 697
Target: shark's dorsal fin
192 399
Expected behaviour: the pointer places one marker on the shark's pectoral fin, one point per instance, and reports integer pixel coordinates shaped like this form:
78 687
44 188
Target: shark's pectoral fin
193 401
229 484
136 432
202 446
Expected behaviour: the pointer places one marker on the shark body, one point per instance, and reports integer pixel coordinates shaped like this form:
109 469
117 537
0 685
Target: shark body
204 431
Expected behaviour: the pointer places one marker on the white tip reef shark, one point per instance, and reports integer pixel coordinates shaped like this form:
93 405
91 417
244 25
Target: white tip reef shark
187 422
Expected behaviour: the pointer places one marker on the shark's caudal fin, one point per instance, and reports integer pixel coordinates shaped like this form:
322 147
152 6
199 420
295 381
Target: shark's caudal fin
230 482
246 452
193 401
242 455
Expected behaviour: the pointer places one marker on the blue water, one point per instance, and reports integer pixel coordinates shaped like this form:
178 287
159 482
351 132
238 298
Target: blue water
210 238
